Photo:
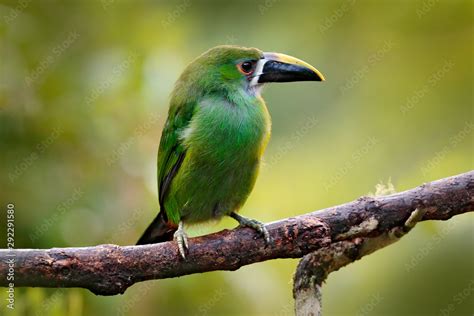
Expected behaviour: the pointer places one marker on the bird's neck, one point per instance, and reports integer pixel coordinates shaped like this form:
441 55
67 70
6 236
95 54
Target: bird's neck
243 96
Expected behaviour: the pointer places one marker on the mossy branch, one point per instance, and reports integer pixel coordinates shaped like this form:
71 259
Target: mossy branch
111 269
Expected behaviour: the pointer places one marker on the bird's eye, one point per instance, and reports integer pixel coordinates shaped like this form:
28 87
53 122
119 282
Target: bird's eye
246 67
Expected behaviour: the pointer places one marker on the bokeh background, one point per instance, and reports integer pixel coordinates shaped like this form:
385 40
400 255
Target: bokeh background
84 94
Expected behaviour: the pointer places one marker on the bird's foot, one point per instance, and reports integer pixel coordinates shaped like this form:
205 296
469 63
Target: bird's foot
182 239
252 223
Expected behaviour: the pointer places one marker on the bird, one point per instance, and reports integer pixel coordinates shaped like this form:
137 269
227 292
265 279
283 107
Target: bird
212 143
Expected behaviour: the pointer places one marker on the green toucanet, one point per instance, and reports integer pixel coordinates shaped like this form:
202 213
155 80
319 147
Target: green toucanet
212 143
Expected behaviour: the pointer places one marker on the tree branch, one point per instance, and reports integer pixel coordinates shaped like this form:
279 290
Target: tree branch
315 267
111 269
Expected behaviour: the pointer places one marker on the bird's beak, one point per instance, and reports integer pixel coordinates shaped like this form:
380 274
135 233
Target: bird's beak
283 68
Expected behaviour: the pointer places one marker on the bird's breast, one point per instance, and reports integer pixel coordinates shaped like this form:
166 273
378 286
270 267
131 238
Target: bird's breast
224 143
225 132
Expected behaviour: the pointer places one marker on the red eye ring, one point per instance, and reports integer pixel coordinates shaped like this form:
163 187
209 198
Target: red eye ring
246 67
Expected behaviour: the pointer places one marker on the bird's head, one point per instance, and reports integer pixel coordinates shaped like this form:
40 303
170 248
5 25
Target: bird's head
233 68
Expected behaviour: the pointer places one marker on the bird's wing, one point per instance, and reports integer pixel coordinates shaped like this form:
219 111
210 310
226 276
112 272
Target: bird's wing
172 151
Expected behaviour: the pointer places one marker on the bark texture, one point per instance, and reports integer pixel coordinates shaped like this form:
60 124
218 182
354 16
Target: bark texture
347 229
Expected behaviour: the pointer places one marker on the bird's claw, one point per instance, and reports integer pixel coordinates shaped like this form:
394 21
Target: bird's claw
182 240
253 223
259 227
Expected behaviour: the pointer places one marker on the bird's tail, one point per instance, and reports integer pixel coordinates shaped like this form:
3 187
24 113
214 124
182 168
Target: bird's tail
160 230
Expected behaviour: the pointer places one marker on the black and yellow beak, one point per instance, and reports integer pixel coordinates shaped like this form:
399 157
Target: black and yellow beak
283 68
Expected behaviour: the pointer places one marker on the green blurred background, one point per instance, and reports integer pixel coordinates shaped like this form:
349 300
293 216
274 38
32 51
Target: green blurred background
84 94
